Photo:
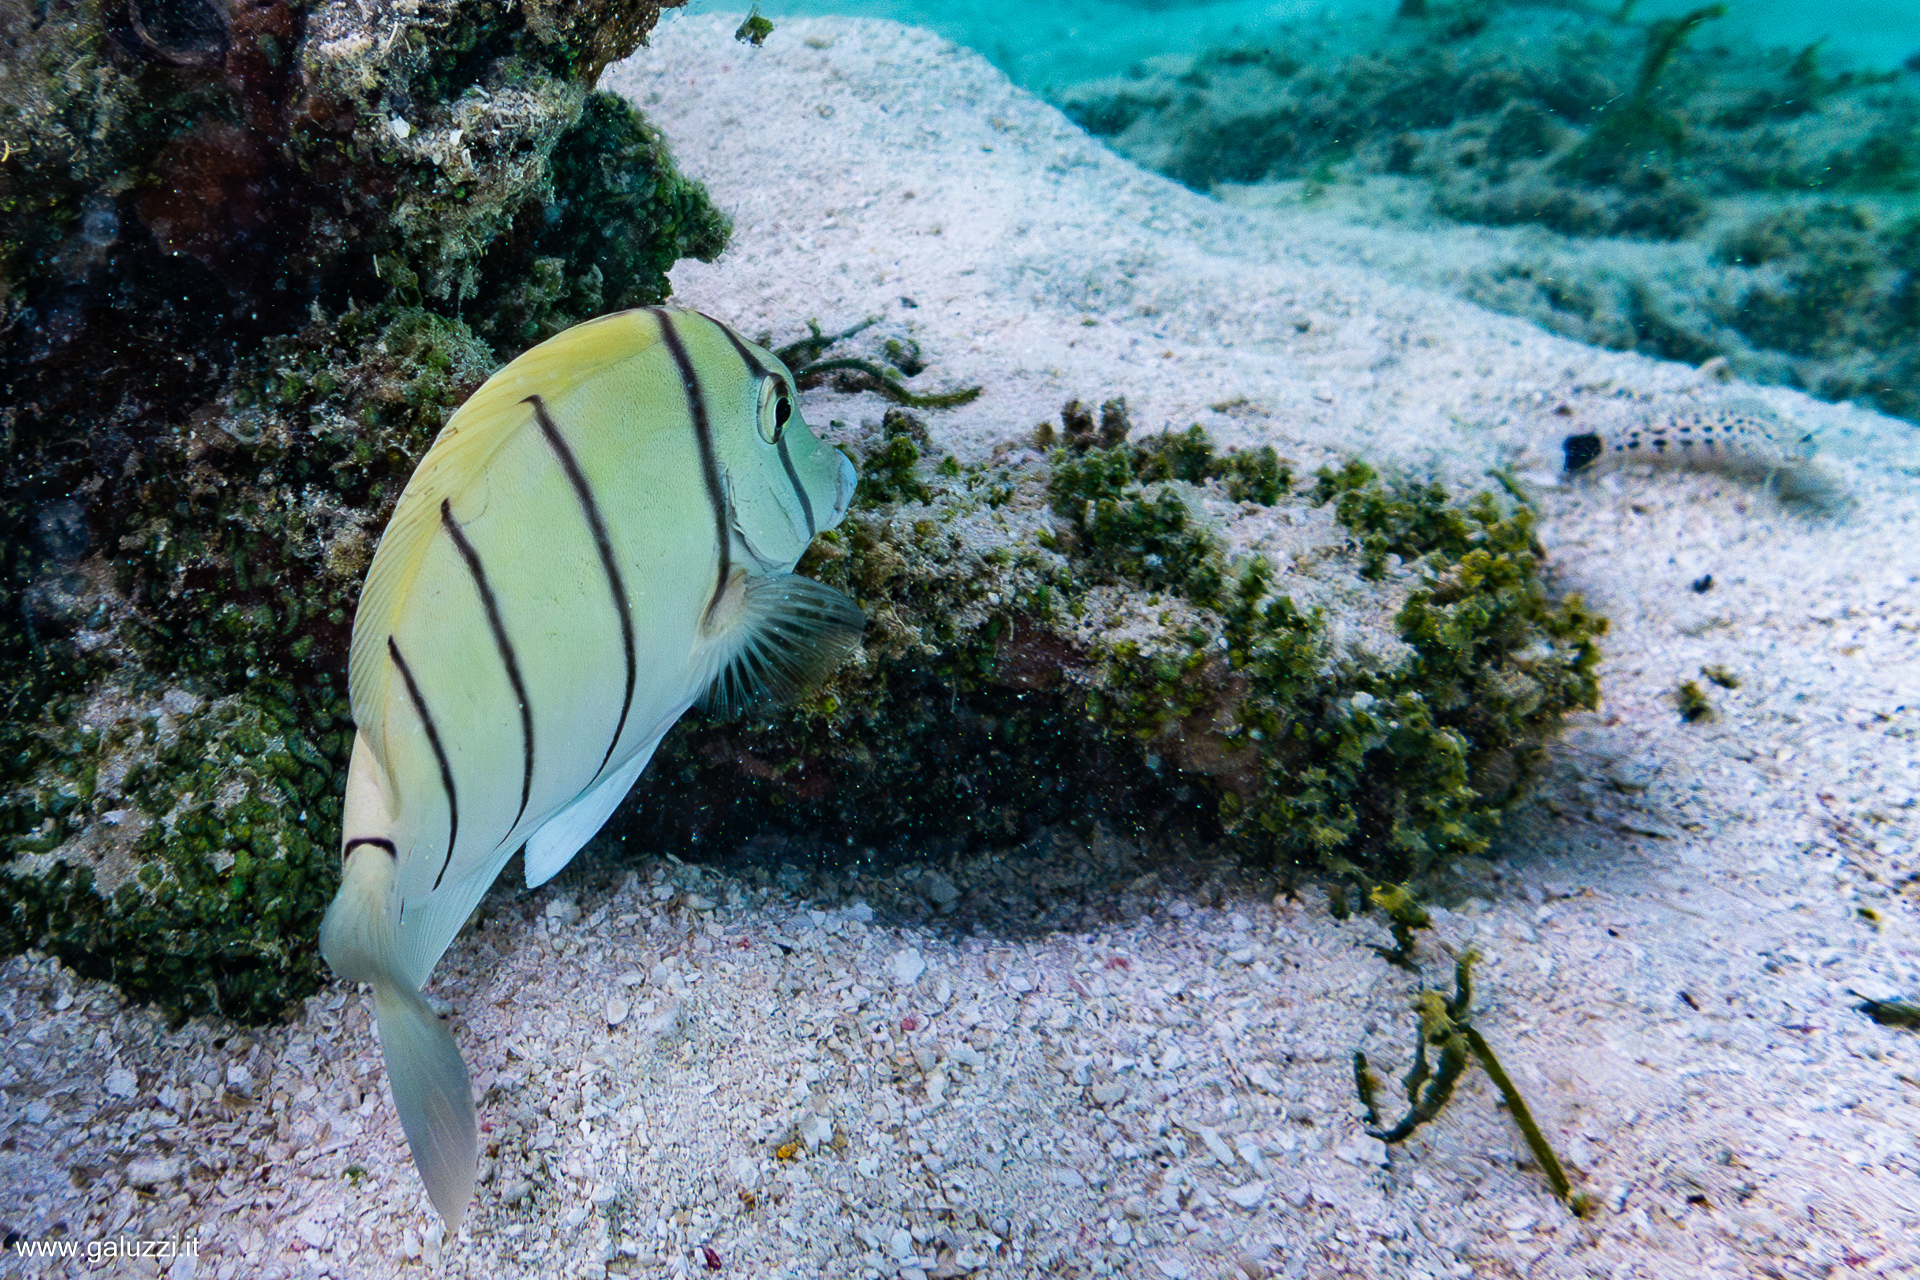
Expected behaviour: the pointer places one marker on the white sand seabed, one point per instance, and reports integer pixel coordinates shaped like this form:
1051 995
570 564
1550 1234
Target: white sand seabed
1670 932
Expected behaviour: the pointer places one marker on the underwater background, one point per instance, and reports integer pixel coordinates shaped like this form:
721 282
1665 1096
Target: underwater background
1230 606
1688 181
249 267
1046 48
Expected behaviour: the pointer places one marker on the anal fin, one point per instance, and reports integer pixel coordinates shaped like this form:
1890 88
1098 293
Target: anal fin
567 832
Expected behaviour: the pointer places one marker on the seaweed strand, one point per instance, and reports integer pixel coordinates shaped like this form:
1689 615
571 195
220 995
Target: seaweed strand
811 347
1367 1084
887 383
1523 1117
1404 915
1446 1025
809 370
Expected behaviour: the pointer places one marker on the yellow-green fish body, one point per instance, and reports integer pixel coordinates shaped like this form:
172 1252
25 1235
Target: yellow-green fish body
602 536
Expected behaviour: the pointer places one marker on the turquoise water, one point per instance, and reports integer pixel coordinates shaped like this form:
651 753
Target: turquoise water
1741 185
1050 46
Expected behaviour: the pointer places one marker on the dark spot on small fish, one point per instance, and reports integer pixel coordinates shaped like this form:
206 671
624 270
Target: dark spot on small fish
1701 585
1581 450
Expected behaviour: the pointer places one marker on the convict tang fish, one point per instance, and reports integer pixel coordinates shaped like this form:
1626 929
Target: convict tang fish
604 535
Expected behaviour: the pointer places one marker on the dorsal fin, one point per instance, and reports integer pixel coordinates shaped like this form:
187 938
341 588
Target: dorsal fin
469 441
786 633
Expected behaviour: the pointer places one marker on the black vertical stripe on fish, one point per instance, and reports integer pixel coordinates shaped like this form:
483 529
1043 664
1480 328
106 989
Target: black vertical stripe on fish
503 644
439 754
378 842
793 478
590 509
703 437
760 370
753 362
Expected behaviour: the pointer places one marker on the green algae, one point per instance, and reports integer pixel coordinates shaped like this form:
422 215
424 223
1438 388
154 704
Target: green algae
856 373
1635 126
890 472
1890 1013
755 29
1721 676
1404 914
1695 706
230 818
620 216
1416 765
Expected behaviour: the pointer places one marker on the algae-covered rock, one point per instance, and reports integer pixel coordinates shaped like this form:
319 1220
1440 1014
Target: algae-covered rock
1355 673
251 255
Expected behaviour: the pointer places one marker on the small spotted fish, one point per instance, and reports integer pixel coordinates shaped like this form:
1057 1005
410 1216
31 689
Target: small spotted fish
1737 437
602 536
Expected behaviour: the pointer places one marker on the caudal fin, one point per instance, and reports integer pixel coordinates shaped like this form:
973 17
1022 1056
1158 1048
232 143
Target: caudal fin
432 1094
429 1080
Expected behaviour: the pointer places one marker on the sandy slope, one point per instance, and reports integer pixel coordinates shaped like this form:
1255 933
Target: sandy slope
1160 1085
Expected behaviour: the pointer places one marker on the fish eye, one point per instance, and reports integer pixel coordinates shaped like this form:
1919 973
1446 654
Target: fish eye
776 410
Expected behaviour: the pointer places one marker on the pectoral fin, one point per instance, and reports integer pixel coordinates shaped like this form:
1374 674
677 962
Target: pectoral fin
784 632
